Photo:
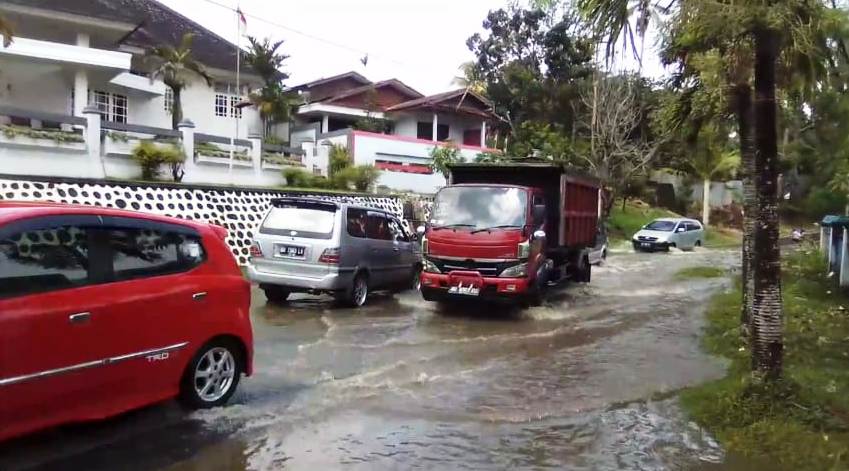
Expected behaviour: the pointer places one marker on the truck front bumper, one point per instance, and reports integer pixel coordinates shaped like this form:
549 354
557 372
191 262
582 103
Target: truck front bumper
437 286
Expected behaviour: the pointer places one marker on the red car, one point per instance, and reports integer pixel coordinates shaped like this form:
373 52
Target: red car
103 311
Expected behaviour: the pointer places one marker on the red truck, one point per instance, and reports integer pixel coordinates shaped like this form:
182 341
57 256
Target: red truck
505 231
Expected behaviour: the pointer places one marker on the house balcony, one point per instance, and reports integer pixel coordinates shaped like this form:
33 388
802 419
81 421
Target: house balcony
37 52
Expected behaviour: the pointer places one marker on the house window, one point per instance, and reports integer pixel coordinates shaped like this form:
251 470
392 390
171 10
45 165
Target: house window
112 106
425 131
225 106
169 100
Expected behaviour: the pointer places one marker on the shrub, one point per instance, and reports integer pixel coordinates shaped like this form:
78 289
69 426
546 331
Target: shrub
151 156
443 156
298 177
339 159
365 177
822 201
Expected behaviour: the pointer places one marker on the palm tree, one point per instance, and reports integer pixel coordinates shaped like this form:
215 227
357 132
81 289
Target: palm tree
6 30
272 101
716 24
175 66
711 160
470 79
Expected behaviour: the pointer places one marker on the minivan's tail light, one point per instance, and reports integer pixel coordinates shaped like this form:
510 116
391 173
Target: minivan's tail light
330 256
256 251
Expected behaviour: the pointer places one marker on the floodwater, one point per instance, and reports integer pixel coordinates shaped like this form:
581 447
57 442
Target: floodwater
586 381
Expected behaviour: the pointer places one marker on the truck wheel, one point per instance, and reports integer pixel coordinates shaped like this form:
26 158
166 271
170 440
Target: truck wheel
536 296
276 294
588 272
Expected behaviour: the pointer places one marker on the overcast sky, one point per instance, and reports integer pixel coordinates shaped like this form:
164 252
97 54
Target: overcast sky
420 42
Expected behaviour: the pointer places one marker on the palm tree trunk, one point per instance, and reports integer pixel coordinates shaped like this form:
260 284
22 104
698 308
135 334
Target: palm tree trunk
767 344
743 109
176 108
706 202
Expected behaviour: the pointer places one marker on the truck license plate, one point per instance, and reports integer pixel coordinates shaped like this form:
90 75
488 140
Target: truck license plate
467 290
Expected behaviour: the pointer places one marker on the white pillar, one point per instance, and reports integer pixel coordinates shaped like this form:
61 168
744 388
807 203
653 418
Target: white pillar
831 254
325 123
92 141
844 259
824 234
483 134
83 40
187 128
80 91
435 126
256 154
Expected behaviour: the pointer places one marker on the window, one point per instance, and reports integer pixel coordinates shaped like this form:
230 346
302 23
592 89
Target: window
377 227
169 100
112 106
693 226
425 131
397 231
44 260
141 253
225 105
356 223
312 222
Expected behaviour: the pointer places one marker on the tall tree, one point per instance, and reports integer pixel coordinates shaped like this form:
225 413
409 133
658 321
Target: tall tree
175 66
272 101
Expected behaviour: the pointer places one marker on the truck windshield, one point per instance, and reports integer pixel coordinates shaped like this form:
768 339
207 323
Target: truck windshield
479 207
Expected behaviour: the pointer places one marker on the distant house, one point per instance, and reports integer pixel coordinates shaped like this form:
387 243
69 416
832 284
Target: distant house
69 53
336 109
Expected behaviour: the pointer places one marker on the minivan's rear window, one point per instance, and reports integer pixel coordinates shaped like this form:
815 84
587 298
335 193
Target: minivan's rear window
306 222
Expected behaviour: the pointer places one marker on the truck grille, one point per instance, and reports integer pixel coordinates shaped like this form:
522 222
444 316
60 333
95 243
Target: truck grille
484 268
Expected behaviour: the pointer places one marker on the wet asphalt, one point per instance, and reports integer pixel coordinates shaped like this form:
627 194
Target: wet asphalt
586 382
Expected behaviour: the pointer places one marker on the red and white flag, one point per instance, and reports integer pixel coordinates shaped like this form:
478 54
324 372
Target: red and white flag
243 22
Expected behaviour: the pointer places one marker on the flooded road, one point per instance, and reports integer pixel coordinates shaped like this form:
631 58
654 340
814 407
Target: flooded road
586 381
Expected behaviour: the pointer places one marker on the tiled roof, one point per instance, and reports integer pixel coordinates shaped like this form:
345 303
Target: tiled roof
440 98
347 75
158 25
394 83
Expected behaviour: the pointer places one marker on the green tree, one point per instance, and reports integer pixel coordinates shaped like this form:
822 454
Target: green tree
339 159
175 66
271 100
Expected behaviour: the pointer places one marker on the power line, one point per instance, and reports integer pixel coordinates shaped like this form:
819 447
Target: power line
329 42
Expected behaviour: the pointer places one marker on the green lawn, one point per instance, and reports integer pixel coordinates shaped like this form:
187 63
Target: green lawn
801 422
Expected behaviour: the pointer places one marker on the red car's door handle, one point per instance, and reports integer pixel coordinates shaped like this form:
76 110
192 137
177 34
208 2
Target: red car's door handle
199 296
79 318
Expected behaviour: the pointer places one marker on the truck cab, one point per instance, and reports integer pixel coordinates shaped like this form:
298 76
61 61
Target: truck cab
505 232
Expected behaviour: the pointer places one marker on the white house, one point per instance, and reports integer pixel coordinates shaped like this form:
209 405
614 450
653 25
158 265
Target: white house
334 109
76 96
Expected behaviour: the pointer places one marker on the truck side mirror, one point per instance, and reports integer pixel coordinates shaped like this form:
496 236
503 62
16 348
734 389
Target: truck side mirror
539 234
539 213
420 231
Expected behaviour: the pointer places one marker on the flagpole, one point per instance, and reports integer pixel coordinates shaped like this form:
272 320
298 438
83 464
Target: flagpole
238 95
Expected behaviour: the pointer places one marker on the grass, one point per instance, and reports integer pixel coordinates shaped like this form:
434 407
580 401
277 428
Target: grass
802 421
700 272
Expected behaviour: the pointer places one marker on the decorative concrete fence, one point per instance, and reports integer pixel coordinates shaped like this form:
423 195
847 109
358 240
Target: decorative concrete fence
834 243
240 210
51 144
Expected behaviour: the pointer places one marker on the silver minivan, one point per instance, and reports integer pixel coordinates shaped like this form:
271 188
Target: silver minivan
314 246
661 234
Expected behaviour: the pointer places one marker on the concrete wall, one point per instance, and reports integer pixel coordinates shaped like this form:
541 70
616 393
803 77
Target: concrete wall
406 124
240 210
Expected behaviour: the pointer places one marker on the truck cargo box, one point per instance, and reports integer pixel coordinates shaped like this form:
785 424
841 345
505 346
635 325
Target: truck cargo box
572 201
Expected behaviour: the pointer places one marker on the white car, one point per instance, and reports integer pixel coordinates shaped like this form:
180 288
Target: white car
661 234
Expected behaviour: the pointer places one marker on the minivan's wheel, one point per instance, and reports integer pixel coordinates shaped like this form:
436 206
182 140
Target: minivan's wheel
698 243
212 376
357 293
276 294
416 283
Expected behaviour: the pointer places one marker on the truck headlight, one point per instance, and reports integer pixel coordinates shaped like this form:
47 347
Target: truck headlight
430 267
516 271
524 250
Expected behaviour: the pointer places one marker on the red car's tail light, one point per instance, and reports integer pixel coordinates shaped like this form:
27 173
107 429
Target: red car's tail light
256 250
330 256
